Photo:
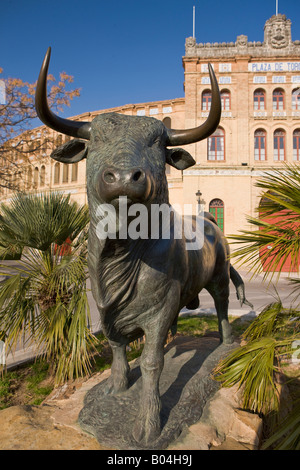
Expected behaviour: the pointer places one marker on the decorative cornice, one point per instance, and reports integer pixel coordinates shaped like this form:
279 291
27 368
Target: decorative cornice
277 42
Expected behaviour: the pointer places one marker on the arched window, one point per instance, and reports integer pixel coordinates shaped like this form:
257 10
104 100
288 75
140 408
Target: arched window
167 122
259 100
296 145
225 100
36 177
279 145
260 145
65 176
216 145
278 99
59 140
206 100
216 208
42 176
56 173
29 177
74 174
296 99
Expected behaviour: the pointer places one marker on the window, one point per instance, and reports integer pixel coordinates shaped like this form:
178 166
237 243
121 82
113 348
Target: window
259 100
260 145
153 111
59 140
216 145
225 100
279 145
65 173
74 174
29 177
296 100
36 177
296 145
42 176
206 100
56 173
278 100
216 208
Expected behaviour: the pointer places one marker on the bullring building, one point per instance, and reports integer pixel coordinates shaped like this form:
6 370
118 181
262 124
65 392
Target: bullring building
259 129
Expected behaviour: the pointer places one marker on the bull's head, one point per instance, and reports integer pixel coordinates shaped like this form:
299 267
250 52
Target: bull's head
126 154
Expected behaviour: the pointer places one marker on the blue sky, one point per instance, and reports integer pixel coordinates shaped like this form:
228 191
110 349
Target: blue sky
123 52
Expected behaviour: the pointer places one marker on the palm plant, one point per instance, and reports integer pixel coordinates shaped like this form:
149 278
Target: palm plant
274 239
254 365
44 299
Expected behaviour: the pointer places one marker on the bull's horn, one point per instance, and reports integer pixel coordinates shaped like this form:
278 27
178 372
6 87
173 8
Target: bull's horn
65 126
189 136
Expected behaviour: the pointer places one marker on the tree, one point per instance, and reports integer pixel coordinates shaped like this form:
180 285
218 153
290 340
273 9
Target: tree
17 117
44 298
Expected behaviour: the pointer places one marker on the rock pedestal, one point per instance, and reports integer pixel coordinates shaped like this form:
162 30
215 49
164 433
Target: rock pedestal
186 385
196 414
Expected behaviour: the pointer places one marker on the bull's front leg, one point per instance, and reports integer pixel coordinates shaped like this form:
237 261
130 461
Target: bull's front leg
147 426
118 381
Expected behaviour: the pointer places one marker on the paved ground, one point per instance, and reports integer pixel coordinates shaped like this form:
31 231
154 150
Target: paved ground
259 293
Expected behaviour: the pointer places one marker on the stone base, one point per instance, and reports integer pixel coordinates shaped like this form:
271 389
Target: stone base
188 392
186 385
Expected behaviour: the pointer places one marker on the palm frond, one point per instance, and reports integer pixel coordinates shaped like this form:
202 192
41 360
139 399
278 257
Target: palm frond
275 321
44 300
275 235
287 434
253 367
41 220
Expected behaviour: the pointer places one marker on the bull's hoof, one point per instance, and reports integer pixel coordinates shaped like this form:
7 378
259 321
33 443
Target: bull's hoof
228 341
112 388
226 335
145 434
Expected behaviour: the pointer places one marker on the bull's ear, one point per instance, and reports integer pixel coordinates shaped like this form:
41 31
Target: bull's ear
179 158
71 152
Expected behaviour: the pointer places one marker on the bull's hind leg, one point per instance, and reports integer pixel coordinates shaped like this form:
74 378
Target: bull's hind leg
118 381
219 290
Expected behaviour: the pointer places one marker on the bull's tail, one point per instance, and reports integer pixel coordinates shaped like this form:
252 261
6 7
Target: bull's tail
239 286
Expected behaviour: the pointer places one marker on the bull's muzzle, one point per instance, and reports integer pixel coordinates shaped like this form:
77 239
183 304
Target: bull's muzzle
134 183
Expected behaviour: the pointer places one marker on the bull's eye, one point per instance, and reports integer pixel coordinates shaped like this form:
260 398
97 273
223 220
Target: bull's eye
156 141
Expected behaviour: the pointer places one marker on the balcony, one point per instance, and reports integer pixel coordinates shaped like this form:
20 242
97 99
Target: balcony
260 114
279 114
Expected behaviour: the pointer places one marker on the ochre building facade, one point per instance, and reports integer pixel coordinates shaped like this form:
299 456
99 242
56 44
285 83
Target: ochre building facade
259 128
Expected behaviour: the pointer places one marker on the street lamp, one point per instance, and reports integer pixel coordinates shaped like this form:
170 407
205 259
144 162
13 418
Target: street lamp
198 195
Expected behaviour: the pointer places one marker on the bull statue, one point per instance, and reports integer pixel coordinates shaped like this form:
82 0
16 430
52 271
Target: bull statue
140 285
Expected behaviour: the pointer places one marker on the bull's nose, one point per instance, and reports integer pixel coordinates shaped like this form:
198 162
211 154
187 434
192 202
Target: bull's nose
115 182
137 175
112 176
